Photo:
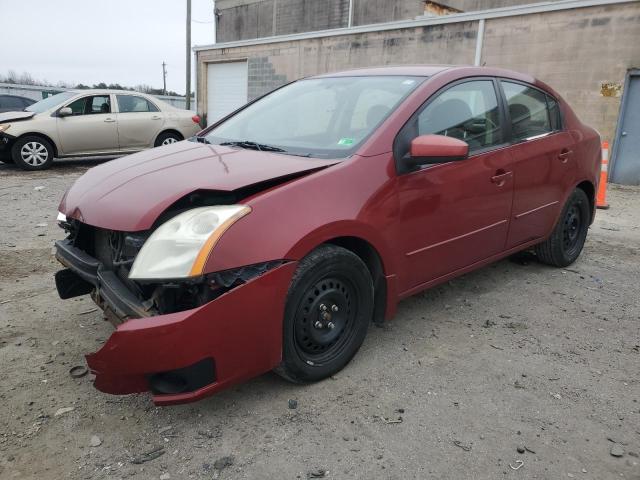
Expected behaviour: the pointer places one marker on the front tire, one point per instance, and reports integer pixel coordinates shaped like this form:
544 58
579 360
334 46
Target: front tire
564 245
32 153
328 311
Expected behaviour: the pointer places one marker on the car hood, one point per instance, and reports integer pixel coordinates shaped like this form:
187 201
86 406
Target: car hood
128 194
7 116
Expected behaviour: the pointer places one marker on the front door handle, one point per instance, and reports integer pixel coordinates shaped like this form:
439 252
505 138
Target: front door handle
500 178
109 120
564 155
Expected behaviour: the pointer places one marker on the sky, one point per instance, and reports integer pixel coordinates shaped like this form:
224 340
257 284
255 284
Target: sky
111 41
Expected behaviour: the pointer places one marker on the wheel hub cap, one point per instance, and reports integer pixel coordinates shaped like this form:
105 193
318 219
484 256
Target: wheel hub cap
168 141
572 226
34 153
324 317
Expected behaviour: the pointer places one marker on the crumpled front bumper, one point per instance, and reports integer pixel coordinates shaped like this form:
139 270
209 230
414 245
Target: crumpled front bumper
239 333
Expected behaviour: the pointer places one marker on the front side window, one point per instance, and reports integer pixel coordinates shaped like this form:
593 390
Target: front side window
318 117
468 112
527 110
91 105
133 103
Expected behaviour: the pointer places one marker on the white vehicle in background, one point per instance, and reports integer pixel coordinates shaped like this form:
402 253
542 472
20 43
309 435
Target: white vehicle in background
90 122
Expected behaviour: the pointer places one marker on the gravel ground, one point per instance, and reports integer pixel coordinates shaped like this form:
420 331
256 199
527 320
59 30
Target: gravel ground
516 362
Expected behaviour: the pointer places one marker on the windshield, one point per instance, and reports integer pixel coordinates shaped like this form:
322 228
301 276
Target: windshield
319 117
50 102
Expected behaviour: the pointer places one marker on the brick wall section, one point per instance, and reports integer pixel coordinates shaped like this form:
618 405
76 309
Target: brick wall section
262 77
573 51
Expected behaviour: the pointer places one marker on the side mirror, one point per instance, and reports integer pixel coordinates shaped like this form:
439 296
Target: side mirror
65 112
429 149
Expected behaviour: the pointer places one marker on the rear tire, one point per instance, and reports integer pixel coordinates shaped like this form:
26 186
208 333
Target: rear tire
328 311
564 245
32 153
167 138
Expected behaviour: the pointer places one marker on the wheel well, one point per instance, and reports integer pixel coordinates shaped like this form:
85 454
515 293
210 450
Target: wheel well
42 135
371 258
588 188
171 130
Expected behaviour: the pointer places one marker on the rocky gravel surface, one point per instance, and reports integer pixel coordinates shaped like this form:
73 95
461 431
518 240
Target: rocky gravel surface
517 370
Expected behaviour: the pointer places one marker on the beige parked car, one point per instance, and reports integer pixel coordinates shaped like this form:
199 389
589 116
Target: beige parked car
90 122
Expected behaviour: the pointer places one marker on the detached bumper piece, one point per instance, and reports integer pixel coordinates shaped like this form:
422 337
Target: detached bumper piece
188 355
85 275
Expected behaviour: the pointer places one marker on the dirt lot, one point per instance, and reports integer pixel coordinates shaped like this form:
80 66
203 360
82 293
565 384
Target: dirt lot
514 356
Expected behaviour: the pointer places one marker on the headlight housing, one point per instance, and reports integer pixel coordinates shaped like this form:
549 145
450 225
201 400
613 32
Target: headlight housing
180 247
4 126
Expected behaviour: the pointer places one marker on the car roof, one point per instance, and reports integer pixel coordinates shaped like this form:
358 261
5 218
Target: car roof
430 70
103 91
400 70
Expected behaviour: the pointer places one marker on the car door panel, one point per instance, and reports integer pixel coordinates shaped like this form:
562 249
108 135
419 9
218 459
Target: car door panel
88 133
137 129
457 213
543 169
453 215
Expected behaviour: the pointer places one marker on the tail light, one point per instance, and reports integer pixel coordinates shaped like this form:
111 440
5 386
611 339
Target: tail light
196 119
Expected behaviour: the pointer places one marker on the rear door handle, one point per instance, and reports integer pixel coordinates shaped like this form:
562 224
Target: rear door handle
156 117
564 155
109 120
500 178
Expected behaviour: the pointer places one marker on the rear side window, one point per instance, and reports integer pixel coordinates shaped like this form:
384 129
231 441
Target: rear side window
468 112
133 103
527 110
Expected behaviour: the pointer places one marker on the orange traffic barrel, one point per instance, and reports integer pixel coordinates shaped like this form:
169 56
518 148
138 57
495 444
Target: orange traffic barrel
601 199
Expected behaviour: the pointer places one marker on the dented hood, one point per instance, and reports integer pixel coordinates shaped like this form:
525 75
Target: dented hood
128 194
8 116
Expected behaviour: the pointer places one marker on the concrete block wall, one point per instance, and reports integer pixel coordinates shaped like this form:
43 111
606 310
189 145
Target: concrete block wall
575 51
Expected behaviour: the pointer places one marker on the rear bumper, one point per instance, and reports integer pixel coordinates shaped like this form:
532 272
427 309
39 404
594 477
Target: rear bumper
238 335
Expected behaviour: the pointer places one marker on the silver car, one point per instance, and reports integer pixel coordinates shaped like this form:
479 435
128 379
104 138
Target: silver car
90 122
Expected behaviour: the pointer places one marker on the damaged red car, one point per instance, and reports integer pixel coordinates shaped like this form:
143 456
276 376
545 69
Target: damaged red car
275 237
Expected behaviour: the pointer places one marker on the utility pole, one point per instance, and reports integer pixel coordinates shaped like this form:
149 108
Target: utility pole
164 78
188 97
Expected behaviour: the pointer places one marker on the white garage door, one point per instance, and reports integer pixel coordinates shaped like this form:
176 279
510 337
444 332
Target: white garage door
226 89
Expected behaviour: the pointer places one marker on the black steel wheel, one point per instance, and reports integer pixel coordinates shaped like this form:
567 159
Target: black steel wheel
328 311
564 245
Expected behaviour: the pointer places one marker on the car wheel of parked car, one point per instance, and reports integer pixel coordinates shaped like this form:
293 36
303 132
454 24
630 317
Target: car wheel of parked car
328 311
564 245
32 153
167 138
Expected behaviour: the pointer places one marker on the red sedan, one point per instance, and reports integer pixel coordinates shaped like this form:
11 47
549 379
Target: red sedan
273 239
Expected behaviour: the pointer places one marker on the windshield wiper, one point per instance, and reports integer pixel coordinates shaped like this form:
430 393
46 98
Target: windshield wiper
200 140
253 145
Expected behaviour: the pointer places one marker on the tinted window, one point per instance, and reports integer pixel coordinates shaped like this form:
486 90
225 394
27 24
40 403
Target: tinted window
91 105
527 109
468 112
133 103
14 103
